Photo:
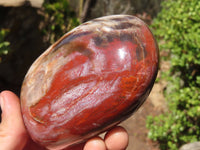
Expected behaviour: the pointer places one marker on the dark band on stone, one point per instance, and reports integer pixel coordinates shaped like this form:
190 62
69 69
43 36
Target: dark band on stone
69 38
141 52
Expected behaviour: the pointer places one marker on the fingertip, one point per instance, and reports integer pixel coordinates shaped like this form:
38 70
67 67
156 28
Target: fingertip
95 143
116 139
12 126
11 111
9 104
11 114
8 93
8 97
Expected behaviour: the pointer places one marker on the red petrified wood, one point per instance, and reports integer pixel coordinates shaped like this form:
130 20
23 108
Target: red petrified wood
91 79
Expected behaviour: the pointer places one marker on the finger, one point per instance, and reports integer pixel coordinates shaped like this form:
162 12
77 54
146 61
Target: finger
95 143
116 139
12 131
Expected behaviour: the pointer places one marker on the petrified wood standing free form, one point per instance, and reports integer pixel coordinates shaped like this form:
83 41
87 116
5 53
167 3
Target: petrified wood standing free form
91 79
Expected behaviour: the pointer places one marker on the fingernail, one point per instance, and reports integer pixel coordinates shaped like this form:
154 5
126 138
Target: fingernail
1 101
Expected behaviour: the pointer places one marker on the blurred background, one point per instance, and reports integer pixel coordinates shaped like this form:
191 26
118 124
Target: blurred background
170 118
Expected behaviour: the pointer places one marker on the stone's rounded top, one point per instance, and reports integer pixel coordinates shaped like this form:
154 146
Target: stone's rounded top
105 67
112 26
114 22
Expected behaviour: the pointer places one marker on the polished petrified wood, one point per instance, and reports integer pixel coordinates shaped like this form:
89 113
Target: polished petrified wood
91 79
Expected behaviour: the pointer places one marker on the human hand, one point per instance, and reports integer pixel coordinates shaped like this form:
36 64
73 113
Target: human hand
13 135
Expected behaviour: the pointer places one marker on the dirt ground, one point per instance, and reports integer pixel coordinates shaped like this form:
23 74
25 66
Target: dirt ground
136 127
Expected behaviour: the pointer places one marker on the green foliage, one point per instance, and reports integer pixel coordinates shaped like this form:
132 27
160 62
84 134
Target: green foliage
178 28
4 45
59 19
178 25
181 124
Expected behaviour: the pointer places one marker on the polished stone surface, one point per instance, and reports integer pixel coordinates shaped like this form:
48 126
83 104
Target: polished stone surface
91 79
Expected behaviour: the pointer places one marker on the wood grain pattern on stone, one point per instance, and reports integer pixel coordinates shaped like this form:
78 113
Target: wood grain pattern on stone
90 80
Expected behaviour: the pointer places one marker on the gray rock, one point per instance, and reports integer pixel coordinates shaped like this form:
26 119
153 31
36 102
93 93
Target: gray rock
191 146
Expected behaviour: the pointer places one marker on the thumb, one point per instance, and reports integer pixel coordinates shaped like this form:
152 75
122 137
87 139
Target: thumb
13 134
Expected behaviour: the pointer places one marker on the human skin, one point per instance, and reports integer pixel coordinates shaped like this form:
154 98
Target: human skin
13 134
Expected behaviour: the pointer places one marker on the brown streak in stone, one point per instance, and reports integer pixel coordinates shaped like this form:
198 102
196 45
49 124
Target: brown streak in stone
98 40
125 25
141 52
117 19
138 53
110 38
126 37
69 38
76 47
